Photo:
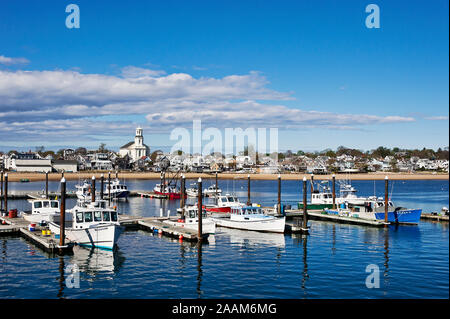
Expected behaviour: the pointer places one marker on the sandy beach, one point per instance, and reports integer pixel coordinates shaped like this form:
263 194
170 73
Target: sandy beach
17 177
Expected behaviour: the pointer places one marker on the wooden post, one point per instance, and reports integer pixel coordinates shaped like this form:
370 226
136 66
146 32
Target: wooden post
117 175
164 183
1 192
386 199
334 191
109 188
217 187
6 192
200 210
248 190
312 183
183 195
279 195
305 210
161 183
93 189
101 185
46 185
62 217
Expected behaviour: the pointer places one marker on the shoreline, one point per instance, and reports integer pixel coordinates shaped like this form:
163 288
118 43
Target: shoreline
33 177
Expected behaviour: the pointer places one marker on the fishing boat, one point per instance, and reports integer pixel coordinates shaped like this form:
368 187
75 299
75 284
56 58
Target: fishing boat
117 190
212 191
92 225
43 211
83 191
251 218
374 209
169 190
322 197
192 191
224 204
190 221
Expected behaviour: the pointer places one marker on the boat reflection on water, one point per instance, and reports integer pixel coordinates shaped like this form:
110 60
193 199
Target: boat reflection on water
251 238
95 261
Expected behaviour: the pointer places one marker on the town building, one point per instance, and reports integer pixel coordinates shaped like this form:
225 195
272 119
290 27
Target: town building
137 149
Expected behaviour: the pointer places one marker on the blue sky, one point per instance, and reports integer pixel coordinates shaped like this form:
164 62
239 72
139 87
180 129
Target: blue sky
310 68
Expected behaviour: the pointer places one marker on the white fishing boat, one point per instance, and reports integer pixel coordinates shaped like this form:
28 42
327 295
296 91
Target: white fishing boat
117 190
92 225
190 221
83 191
251 218
212 191
43 211
192 191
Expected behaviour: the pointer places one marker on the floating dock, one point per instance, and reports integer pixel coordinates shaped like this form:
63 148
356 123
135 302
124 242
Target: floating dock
19 226
320 215
156 224
438 218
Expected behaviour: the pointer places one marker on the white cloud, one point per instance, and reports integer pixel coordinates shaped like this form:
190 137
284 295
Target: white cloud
50 105
9 61
437 118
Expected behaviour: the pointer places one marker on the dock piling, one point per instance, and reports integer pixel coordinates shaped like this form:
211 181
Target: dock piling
248 190
93 189
312 183
305 210
334 191
6 192
386 198
183 195
46 185
1 192
200 210
62 217
279 195
217 187
109 188
101 185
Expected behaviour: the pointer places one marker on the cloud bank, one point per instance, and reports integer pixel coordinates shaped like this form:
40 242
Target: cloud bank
58 105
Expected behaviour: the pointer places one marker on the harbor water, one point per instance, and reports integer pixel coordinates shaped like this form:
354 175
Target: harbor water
333 261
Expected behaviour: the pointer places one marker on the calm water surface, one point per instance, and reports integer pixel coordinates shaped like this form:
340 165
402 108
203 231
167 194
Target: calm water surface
329 263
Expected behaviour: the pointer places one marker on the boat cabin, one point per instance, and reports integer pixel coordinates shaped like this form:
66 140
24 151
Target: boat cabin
87 218
228 200
44 204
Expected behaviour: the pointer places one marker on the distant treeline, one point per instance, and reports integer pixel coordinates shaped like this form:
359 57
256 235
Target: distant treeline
380 152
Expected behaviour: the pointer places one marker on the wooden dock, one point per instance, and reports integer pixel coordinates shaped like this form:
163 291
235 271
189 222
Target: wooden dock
19 226
437 218
321 215
156 224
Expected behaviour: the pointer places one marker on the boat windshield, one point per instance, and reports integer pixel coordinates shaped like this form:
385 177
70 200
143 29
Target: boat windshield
54 204
88 217
230 199
106 217
114 216
98 216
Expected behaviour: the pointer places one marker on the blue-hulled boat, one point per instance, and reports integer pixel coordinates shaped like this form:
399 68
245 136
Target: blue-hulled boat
374 209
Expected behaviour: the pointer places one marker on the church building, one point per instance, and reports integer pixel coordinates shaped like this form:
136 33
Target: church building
135 150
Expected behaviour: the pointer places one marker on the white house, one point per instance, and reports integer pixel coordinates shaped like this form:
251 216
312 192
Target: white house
137 149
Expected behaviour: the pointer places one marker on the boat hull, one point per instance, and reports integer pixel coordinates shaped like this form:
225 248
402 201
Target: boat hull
102 236
218 209
315 206
170 195
272 225
406 216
